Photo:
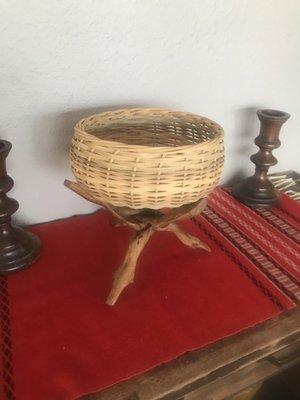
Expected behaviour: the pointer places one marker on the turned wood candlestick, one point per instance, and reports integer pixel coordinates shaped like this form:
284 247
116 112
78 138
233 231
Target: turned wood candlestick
18 248
257 190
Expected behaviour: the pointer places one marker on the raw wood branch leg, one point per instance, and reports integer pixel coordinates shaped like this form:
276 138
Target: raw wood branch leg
186 238
185 212
115 222
145 222
125 273
117 213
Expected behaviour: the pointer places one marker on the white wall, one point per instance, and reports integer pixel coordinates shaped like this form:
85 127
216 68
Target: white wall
62 60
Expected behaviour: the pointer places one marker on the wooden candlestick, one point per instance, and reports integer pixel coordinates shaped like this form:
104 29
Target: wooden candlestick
258 191
18 248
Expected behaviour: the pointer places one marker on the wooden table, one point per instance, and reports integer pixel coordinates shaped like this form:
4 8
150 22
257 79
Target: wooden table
221 370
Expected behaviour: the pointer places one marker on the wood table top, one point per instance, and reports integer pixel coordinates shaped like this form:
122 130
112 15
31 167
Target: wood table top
202 367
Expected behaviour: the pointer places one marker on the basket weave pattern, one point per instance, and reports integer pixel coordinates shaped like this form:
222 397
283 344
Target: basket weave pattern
150 158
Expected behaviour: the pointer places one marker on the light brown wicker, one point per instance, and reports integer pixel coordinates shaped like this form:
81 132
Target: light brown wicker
147 158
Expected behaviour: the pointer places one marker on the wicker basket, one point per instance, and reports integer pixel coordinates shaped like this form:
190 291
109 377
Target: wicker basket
151 158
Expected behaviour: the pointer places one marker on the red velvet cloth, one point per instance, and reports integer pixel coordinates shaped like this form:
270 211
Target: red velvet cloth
60 341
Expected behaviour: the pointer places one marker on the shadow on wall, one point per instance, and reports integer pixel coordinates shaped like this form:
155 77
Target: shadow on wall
56 131
245 130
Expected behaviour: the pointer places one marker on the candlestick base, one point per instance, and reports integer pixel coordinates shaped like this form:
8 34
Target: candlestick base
18 250
255 193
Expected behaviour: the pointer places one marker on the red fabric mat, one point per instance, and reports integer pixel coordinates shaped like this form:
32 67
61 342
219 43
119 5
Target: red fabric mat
60 341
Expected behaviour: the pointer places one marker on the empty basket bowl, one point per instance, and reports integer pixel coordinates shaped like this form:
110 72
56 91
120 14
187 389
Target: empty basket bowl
147 158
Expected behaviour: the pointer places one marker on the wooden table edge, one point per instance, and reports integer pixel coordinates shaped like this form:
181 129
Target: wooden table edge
190 370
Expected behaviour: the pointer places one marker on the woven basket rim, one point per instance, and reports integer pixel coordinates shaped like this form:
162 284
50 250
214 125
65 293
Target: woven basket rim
219 132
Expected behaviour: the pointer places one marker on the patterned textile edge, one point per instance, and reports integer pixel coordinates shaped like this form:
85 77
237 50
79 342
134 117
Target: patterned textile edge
7 380
258 257
264 290
222 217
284 227
285 212
268 237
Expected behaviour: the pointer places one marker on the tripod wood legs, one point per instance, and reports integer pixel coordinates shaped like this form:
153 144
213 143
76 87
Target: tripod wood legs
145 222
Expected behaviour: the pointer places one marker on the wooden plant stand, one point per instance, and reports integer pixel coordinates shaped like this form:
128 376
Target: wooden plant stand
145 222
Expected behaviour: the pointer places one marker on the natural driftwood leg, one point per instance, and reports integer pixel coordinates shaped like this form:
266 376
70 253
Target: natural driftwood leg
145 222
186 238
116 212
125 273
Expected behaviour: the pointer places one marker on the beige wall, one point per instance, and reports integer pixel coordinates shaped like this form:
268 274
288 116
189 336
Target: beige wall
62 60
